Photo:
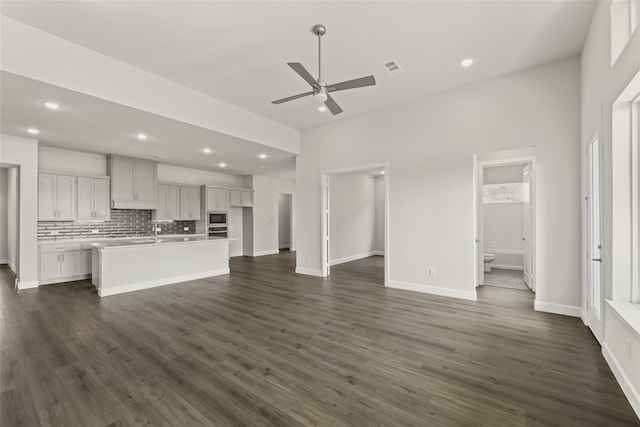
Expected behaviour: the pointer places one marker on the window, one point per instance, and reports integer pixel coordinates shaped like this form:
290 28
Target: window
625 17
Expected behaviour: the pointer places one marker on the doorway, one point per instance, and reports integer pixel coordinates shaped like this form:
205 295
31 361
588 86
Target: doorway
355 218
10 218
285 213
504 205
594 259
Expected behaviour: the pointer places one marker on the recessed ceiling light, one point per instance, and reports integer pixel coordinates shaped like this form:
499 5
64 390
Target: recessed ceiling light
207 150
51 105
322 108
466 63
263 156
141 136
33 131
223 165
382 173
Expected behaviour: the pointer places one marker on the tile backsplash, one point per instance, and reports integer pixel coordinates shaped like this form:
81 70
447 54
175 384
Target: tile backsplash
124 222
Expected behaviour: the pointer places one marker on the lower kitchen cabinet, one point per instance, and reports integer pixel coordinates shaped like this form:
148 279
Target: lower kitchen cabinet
61 262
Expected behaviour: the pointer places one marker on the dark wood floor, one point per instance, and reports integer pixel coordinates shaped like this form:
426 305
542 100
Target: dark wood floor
264 346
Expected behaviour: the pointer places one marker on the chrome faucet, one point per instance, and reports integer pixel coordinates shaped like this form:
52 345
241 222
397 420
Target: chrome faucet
155 232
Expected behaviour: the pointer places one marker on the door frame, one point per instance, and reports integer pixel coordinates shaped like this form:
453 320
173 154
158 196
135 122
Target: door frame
594 320
292 246
508 159
325 214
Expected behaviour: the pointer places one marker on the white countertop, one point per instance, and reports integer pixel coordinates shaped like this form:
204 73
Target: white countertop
162 240
113 239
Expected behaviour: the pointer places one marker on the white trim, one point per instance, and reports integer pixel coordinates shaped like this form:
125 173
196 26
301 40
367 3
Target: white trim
507 267
65 279
160 282
12 266
269 252
632 395
584 315
355 257
309 271
4 261
28 285
436 290
550 307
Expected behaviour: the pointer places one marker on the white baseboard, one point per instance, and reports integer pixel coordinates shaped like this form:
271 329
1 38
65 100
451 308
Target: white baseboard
284 246
309 271
355 257
11 266
263 253
28 285
507 267
583 316
436 290
550 307
4 261
159 282
631 393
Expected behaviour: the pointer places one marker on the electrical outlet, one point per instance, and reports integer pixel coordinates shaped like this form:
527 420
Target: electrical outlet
95 231
54 232
628 342
432 272
186 229
158 229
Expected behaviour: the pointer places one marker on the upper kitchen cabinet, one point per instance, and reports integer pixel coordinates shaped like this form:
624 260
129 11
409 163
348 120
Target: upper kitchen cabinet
56 197
133 182
189 203
93 198
241 198
168 202
217 199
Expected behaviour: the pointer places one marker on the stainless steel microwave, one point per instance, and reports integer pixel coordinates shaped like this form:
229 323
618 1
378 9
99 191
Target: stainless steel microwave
217 218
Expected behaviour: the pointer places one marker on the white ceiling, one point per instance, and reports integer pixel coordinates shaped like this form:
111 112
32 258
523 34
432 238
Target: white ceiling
237 51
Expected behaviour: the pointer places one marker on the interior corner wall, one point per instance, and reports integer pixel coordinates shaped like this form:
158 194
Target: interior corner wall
265 213
352 210
429 146
378 245
4 212
601 84
23 152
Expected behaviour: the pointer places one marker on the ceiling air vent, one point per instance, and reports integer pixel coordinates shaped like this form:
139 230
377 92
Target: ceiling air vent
393 67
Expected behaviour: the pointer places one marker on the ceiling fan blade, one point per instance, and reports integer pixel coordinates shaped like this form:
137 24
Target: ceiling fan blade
302 72
332 105
352 84
291 98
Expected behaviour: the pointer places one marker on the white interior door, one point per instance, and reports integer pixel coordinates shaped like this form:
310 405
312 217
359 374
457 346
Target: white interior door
526 226
594 257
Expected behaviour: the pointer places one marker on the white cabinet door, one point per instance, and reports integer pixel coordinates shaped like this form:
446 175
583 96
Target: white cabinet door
101 197
49 265
217 199
70 264
47 194
85 198
66 197
122 179
194 202
173 202
86 262
241 198
162 212
145 180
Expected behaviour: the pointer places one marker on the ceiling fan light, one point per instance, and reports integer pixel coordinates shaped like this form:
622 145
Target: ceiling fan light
322 108
320 97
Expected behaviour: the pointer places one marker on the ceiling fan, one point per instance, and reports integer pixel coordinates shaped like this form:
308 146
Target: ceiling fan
320 90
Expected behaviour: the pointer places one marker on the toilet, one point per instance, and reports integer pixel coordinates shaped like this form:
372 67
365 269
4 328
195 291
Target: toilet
488 259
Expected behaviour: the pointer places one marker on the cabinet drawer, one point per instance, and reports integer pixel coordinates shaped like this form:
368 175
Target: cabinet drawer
60 247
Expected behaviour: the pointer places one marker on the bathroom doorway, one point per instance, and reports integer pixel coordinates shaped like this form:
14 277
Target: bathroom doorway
505 222
355 220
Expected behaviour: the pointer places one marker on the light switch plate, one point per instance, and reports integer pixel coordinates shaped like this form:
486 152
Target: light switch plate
186 229
95 231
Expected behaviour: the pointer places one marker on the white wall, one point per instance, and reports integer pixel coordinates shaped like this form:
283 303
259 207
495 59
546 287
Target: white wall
601 84
180 175
70 161
352 207
23 152
378 245
429 145
502 174
4 237
284 221
265 213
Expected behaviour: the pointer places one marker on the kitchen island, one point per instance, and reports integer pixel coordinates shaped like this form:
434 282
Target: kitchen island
132 265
